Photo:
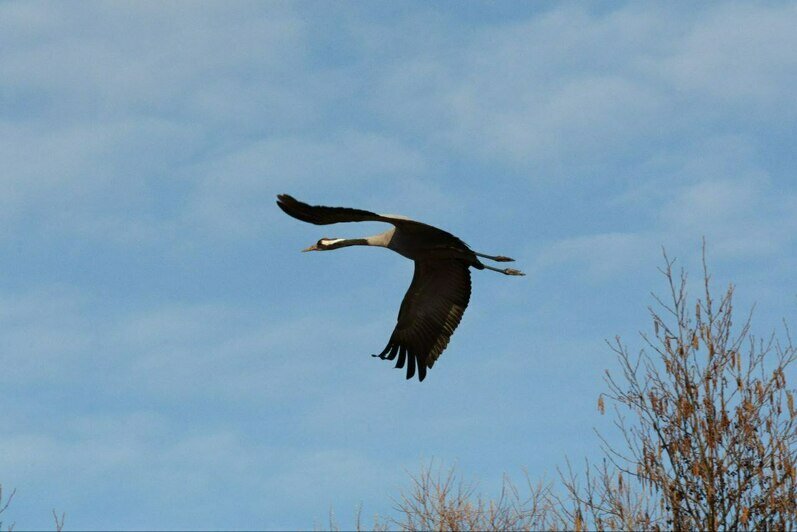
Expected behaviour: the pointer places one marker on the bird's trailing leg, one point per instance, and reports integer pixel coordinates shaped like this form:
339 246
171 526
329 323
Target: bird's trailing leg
496 258
505 271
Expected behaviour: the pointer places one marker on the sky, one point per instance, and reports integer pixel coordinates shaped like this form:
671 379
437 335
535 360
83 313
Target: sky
168 357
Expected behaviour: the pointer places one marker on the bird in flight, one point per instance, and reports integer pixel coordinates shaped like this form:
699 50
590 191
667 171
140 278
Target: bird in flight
440 288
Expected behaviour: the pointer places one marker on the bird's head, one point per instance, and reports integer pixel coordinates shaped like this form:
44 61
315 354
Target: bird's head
325 244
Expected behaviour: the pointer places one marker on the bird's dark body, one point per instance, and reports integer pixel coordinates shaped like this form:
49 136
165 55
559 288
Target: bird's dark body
440 289
437 245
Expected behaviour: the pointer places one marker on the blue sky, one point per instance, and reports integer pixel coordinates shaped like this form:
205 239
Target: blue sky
168 358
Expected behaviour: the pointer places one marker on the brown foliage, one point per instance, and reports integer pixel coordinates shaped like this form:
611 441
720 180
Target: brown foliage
712 432
440 501
709 432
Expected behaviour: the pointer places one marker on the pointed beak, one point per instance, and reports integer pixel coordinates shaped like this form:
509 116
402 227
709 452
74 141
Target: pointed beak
311 248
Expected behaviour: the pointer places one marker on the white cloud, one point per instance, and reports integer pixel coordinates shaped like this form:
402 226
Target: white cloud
738 53
225 123
45 338
580 86
235 192
137 425
141 59
219 109
558 85
603 256
740 218
140 460
108 109
176 352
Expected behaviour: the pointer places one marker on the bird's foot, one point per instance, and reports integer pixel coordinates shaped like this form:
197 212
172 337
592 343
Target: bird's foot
511 271
501 258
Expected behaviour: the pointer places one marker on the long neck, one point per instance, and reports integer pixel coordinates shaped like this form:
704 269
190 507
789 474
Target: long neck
345 242
381 240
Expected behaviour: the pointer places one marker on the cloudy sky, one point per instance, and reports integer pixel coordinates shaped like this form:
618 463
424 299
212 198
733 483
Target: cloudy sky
168 358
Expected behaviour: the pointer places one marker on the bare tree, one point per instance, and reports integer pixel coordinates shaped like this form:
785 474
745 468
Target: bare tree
378 524
438 500
707 421
4 506
708 437
605 501
59 521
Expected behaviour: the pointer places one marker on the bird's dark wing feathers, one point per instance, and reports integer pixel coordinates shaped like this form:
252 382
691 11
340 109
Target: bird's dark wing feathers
430 311
320 215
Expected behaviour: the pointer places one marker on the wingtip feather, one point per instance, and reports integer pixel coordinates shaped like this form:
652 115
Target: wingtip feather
410 365
402 356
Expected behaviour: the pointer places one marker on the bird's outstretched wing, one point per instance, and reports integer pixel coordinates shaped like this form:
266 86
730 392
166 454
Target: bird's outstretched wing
319 215
430 311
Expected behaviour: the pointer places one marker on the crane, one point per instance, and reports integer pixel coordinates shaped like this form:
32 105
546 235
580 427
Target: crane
440 289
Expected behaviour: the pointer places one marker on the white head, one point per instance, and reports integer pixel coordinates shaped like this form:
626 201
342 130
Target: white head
325 244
